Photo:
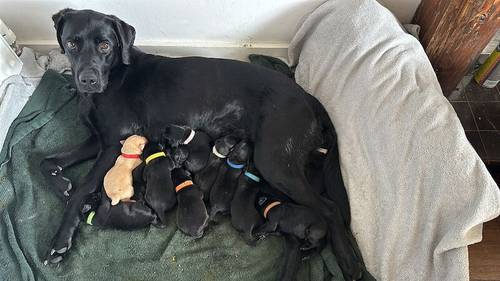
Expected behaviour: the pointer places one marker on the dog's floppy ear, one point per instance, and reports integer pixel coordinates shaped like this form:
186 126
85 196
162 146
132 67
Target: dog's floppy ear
59 23
126 37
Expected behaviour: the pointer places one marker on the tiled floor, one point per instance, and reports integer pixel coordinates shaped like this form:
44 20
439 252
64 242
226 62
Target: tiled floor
479 111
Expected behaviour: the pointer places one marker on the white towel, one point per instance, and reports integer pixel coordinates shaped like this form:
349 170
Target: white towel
418 191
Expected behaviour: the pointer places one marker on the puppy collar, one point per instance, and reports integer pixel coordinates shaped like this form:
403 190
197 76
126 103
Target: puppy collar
90 218
190 137
270 206
183 185
218 154
252 176
234 165
131 156
322 150
154 156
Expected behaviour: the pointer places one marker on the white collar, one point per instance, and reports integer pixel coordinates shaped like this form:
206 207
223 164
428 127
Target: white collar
190 138
218 154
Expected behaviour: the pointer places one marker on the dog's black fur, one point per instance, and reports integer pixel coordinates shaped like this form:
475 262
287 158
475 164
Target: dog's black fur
206 177
314 171
244 217
224 187
122 90
160 193
195 153
192 215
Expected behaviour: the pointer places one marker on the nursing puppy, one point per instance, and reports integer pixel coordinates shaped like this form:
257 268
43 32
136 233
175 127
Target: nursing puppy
224 187
195 143
124 215
244 217
192 216
160 193
206 177
285 217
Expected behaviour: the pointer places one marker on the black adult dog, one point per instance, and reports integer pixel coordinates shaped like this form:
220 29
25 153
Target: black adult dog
122 90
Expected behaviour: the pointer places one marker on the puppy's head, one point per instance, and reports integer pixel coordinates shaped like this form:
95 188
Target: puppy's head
225 144
241 153
94 43
174 135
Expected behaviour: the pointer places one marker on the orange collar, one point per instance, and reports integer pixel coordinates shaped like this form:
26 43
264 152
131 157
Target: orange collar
269 207
183 185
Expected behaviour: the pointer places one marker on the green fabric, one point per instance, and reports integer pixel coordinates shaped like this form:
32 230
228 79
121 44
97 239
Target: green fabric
30 214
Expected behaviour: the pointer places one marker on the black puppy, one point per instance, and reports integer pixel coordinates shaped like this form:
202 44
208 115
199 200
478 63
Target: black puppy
206 177
244 217
224 187
283 216
195 143
124 215
160 193
192 215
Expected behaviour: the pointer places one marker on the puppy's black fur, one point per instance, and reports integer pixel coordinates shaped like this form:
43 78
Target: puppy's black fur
290 218
121 88
192 215
160 193
124 215
197 150
244 217
224 187
206 177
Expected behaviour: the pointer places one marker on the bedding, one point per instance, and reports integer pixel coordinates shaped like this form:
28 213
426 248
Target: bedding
30 214
418 191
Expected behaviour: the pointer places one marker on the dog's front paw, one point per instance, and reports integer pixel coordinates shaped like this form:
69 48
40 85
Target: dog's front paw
58 250
54 174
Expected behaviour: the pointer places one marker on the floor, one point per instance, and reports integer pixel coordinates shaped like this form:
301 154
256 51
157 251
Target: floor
479 112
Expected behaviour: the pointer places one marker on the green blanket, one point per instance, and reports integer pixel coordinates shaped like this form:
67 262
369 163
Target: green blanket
30 214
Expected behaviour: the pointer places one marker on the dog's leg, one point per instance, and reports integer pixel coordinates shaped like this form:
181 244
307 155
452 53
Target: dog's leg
52 166
72 214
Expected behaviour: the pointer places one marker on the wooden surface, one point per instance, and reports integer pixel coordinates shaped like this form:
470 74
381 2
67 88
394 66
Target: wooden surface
484 257
454 32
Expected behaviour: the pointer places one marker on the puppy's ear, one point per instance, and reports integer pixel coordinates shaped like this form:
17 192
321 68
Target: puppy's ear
122 142
59 24
126 37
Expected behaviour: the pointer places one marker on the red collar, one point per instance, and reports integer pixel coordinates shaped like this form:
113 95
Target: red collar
131 156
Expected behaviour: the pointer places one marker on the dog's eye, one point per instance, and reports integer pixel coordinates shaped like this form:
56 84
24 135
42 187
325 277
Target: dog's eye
104 46
71 45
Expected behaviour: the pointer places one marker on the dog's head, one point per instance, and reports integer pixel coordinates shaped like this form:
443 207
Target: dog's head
94 43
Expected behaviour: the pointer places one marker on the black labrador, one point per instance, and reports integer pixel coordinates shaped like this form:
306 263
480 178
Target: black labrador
122 90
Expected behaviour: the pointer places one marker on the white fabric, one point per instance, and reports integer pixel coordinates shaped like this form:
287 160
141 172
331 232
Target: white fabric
418 191
16 90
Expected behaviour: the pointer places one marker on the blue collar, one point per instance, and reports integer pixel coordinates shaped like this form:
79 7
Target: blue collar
252 176
235 166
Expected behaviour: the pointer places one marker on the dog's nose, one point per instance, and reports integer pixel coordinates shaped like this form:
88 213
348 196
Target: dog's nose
88 78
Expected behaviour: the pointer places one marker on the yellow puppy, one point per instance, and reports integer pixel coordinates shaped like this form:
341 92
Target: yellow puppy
118 180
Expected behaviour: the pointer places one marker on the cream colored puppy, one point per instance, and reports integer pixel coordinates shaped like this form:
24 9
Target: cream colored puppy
118 180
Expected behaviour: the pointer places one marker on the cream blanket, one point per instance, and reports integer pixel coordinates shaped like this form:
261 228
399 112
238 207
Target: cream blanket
418 191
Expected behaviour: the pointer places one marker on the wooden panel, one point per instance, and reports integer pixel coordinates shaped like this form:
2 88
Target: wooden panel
484 257
454 32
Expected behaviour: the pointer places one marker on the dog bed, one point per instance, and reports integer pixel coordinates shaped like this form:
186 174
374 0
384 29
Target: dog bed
418 191
31 213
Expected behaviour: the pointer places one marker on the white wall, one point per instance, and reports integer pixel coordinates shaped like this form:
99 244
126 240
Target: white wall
203 23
